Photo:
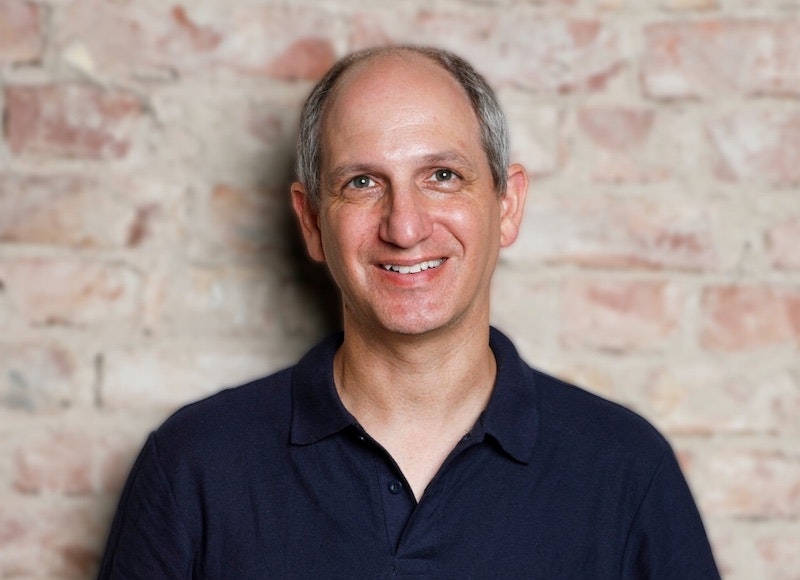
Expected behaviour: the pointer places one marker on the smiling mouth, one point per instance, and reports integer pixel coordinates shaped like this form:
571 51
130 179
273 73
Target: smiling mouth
415 268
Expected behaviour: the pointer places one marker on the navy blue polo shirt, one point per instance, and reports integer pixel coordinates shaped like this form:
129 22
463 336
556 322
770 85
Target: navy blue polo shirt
275 479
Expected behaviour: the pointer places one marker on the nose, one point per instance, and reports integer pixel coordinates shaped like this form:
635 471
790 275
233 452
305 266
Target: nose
406 219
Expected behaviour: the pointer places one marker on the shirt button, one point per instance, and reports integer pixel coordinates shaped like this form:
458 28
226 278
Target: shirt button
394 487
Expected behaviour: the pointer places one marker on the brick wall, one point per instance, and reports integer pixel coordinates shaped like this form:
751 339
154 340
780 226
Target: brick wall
148 257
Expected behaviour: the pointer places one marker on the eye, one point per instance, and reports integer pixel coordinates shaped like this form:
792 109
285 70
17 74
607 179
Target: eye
443 175
361 182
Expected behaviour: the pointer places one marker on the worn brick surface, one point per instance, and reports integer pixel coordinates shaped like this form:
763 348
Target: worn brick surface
739 318
72 292
38 376
756 146
80 211
713 57
614 232
70 121
20 31
153 39
755 483
783 241
553 55
148 255
621 315
622 145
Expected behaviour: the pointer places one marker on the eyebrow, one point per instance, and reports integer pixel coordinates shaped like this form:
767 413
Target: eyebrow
448 157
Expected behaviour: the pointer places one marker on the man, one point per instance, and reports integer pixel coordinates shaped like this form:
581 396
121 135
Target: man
416 443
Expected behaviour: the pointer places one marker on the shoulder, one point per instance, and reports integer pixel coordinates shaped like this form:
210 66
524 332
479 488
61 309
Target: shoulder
218 425
596 425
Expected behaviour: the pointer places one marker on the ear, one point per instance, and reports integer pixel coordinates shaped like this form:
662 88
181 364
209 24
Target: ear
512 204
309 221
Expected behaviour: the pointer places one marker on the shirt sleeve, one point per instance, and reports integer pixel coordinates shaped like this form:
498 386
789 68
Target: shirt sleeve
148 537
667 539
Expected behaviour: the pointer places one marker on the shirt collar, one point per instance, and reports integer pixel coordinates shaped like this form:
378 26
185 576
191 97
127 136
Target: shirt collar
317 410
510 418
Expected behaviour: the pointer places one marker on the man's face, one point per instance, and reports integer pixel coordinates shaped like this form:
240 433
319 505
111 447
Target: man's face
409 221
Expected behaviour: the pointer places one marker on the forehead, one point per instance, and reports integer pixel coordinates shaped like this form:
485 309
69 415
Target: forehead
396 88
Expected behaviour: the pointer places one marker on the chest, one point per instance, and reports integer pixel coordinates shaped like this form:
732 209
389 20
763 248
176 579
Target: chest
342 509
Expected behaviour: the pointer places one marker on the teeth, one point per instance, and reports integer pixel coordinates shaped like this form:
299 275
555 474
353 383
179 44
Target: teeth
415 268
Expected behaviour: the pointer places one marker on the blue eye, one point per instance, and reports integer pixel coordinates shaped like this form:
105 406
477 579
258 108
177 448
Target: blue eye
361 182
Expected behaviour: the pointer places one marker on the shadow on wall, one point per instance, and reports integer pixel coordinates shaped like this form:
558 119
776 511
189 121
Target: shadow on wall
316 289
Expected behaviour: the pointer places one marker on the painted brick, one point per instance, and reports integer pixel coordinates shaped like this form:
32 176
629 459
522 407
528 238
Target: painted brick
238 301
620 139
71 462
38 377
710 399
71 292
516 289
621 315
167 376
747 548
783 244
51 541
754 483
20 31
612 232
82 212
156 40
739 318
536 138
70 121
780 555
756 146
716 57
552 54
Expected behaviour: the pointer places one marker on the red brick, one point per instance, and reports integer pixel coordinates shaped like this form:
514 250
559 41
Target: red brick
717 57
620 315
783 244
157 40
307 58
612 232
756 146
72 462
71 292
20 31
79 212
712 399
738 318
551 55
37 377
70 121
757 483
690 5
620 140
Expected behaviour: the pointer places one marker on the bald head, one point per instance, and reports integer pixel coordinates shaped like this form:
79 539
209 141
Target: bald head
481 99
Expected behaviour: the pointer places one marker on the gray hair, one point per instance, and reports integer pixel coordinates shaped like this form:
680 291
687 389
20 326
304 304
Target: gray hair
494 131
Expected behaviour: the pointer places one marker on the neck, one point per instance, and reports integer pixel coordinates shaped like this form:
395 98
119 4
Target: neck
416 395
415 379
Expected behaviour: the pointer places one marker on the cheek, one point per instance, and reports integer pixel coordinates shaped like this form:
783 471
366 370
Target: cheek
340 240
474 224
